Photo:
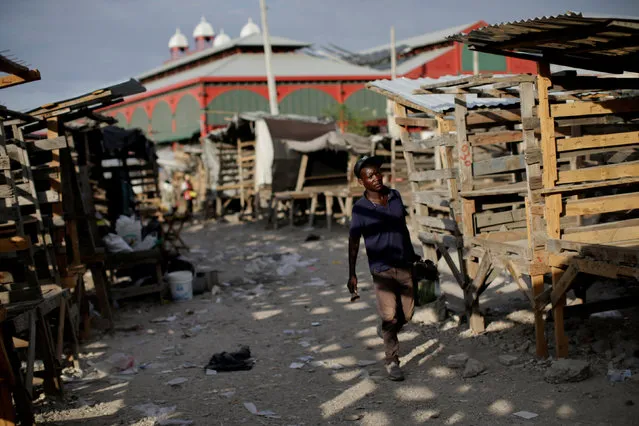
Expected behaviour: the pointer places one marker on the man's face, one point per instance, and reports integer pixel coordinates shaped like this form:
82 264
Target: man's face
371 178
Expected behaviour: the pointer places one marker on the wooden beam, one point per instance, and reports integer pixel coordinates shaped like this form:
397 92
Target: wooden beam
548 146
611 106
612 171
493 116
464 150
301 175
492 138
449 241
431 199
497 165
605 236
560 288
592 267
605 204
437 223
426 145
586 186
597 252
598 141
600 227
416 122
485 219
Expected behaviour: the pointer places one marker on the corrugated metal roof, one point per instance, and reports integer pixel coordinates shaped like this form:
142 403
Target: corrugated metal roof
404 88
420 59
608 44
424 39
253 40
253 65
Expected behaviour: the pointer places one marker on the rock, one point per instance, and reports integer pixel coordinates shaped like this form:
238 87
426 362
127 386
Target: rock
431 313
631 362
473 368
567 370
524 346
600 346
457 361
508 360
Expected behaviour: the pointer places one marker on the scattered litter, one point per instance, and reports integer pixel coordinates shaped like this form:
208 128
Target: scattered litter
164 319
618 376
229 394
210 372
215 290
607 314
316 324
304 344
296 365
527 415
306 358
175 350
153 410
290 262
188 365
177 382
201 311
192 332
150 331
365 363
232 361
316 282
266 413
121 362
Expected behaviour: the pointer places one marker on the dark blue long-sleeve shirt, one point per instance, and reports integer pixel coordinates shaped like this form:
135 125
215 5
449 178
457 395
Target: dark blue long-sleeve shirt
386 236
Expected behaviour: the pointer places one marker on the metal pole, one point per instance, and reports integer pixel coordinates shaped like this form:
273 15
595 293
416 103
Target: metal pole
270 79
475 62
393 54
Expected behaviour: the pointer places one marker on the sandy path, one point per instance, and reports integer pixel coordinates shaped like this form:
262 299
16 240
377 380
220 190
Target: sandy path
336 390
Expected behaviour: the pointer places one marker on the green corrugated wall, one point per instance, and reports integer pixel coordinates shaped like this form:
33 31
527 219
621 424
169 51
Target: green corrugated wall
187 115
367 105
121 120
139 120
161 119
487 61
234 101
311 102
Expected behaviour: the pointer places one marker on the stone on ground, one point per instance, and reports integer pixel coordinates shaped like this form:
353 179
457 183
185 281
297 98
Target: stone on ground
457 360
473 368
567 370
508 360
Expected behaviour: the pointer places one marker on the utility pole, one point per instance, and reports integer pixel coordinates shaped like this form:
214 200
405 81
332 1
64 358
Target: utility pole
270 79
393 54
475 62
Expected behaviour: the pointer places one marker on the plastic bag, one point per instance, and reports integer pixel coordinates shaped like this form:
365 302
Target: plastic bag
116 244
129 229
146 244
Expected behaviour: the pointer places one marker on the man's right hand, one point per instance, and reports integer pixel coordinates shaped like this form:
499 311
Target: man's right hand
352 287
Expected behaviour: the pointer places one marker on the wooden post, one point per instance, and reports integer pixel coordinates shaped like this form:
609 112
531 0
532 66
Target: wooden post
301 175
464 151
329 211
240 174
270 77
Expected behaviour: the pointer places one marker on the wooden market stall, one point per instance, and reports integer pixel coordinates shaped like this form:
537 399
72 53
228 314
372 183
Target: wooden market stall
592 121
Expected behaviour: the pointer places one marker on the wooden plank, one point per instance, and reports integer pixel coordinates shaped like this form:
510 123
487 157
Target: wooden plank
560 287
437 223
431 175
502 247
464 151
509 189
611 106
449 241
492 116
425 146
416 121
548 146
12 244
491 138
5 162
302 173
592 267
600 227
587 186
490 218
598 252
48 144
598 141
512 270
605 204
45 197
498 165
604 236
430 199
608 172
459 277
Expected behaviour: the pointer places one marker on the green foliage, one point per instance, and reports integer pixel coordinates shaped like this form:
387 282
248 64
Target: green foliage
353 122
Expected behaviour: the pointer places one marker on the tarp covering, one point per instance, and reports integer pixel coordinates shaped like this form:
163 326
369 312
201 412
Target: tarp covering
332 141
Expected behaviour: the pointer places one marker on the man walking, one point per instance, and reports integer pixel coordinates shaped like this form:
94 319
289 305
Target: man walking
379 217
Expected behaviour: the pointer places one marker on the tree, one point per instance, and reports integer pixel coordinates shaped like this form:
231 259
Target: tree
353 123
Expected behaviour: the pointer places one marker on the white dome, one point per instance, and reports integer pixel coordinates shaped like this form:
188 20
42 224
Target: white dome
178 40
221 39
249 29
203 29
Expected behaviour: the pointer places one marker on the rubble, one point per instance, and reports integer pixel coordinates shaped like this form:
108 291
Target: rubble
473 368
508 360
567 370
457 361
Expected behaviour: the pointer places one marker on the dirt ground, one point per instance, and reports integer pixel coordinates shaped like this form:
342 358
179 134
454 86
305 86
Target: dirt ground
286 299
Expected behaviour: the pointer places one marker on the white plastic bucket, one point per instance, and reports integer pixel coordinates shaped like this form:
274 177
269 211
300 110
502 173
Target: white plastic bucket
181 284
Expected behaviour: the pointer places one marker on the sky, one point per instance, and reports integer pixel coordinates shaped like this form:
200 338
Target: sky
83 45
